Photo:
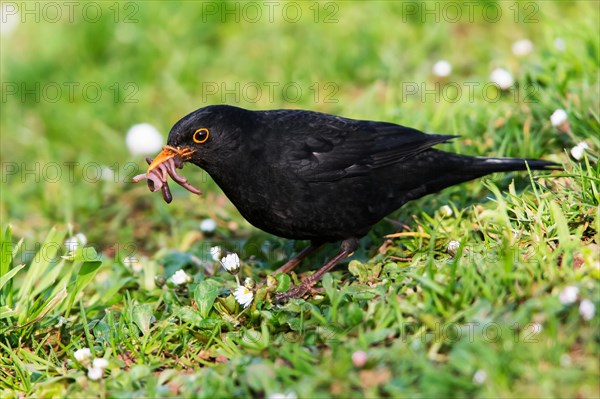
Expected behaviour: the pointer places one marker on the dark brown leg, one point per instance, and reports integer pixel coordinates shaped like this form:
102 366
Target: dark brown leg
346 249
295 261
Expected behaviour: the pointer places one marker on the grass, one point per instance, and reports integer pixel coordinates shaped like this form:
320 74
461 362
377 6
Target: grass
484 319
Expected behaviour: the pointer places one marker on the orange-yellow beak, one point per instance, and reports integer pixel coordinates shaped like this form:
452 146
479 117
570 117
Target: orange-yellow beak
167 153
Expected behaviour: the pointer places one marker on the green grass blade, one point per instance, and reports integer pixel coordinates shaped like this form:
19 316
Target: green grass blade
7 276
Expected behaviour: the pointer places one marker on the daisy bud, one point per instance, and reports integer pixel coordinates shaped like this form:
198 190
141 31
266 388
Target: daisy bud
568 295
479 377
95 373
143 139
216 253
359 358
502 78
181 278
83 355
453 247
559 118
522 47
231 263
445 211
208 226
578 150
442 69
249 283
100 363
587 309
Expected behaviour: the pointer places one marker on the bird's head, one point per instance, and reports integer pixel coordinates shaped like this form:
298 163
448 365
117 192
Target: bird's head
206 137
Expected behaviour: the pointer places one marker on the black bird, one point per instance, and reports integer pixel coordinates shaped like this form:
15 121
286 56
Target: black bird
312 176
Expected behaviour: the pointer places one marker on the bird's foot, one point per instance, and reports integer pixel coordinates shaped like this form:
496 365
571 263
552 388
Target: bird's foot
346 248
294 292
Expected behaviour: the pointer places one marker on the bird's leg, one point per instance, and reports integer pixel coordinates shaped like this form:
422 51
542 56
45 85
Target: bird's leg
295 261
346 249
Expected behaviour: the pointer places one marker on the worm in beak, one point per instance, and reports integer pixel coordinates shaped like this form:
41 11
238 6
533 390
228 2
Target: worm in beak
166 164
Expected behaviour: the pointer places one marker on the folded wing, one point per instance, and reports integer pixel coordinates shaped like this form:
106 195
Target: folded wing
338 148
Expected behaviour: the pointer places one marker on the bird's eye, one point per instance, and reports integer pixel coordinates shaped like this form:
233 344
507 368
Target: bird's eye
201 135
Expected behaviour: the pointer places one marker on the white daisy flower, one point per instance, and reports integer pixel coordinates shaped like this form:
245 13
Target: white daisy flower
558 117
479 377
502 78
143 139
578 150
83 355
231 263
243 296
208 225
587 309
95 373
442 69
568 295
74 242
181 278
522 47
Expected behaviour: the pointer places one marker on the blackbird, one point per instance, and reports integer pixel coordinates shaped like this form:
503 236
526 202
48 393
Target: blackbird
312 176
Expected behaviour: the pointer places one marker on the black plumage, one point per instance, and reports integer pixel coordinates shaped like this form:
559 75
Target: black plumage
313 176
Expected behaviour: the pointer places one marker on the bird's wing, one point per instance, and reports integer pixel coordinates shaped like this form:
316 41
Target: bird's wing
329 148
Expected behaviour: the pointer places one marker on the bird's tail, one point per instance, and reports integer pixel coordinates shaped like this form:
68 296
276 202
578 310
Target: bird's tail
481 166
454 169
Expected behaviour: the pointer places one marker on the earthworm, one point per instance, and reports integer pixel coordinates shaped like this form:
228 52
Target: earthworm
182 181
158 178
166 192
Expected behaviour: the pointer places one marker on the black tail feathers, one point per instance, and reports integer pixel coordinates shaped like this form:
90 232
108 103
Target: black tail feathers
491 165
454 169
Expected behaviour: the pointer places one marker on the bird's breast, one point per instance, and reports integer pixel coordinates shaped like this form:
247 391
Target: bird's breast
278 201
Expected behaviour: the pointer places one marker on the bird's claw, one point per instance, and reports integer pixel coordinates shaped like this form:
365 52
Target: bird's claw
294 292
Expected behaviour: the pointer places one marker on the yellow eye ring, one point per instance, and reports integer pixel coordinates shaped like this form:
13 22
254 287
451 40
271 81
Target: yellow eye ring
201 135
